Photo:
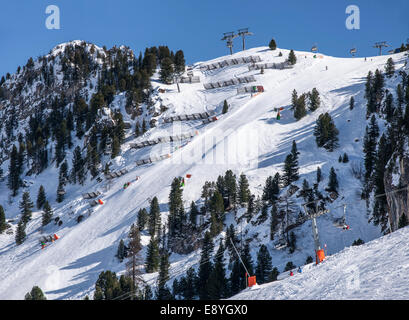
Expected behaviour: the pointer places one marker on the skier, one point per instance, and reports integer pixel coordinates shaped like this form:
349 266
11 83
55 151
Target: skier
299 270
42 245
291 274
326 67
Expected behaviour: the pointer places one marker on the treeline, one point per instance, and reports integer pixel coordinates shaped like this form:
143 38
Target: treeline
392 108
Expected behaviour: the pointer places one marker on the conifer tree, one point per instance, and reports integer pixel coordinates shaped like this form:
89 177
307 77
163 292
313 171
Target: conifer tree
390 68
189 291
177 216
300 110
244 191
292 59
3 224
166 71
294 99
20 233
274 221
345 158
179 62
370 142
47 214
152 256
333 181
26 205
134 257
264 265
143 218
315 100
326 133
217 283
120 254
217 213
206 266
352 103
272 45
35 294
225 107
41 198
194 212
14 172
154 223
403 221
319 175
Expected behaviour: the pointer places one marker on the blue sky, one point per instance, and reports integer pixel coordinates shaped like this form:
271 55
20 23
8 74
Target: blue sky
197 26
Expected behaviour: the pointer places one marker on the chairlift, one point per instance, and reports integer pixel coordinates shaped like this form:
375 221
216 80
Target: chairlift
281 244
341 223
353 51
314 49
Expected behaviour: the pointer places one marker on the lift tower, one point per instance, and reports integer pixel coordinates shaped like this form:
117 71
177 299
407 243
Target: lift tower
244 33
380 45
229 37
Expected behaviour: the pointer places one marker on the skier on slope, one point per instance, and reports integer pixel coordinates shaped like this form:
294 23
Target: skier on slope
299 270
291 273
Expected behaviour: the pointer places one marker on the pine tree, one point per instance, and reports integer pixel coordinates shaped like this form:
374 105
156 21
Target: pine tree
217 283
274 221
20 233
35 294
206 266
189 291
264 265
143 217
370 142
272 45
315 100
272 189
134 256
179 62
47 214
166 71
194 212
177 216
319 175
41 198
217 213
14 172
333 181
244 191
163 292
390 68
26 205
120 254
292 59
300 110
345 158
225 107
152 256
154 223
3 224
352 103
294 99
326 133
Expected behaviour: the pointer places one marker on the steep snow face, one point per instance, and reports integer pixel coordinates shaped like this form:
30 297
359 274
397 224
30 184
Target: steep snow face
247 139
377 270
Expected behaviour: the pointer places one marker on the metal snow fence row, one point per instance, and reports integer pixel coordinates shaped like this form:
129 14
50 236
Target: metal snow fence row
143 144
231 82
91 195
151 160
280 66
117 174
188 117
230 62
250 89
190 79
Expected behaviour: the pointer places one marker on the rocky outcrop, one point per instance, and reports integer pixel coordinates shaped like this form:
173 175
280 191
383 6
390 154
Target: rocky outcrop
397 187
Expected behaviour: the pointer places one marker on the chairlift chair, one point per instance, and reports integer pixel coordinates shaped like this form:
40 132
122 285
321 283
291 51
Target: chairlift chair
314 49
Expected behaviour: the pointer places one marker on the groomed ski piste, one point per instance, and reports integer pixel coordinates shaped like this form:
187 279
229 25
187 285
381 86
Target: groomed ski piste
378 270
247 139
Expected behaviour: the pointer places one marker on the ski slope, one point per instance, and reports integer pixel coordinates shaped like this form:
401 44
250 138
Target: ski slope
247 139
378 270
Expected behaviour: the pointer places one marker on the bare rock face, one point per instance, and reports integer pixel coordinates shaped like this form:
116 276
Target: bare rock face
398 201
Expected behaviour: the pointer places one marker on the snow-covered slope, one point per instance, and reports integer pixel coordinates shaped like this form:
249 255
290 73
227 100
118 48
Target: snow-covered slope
377 270
247 139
